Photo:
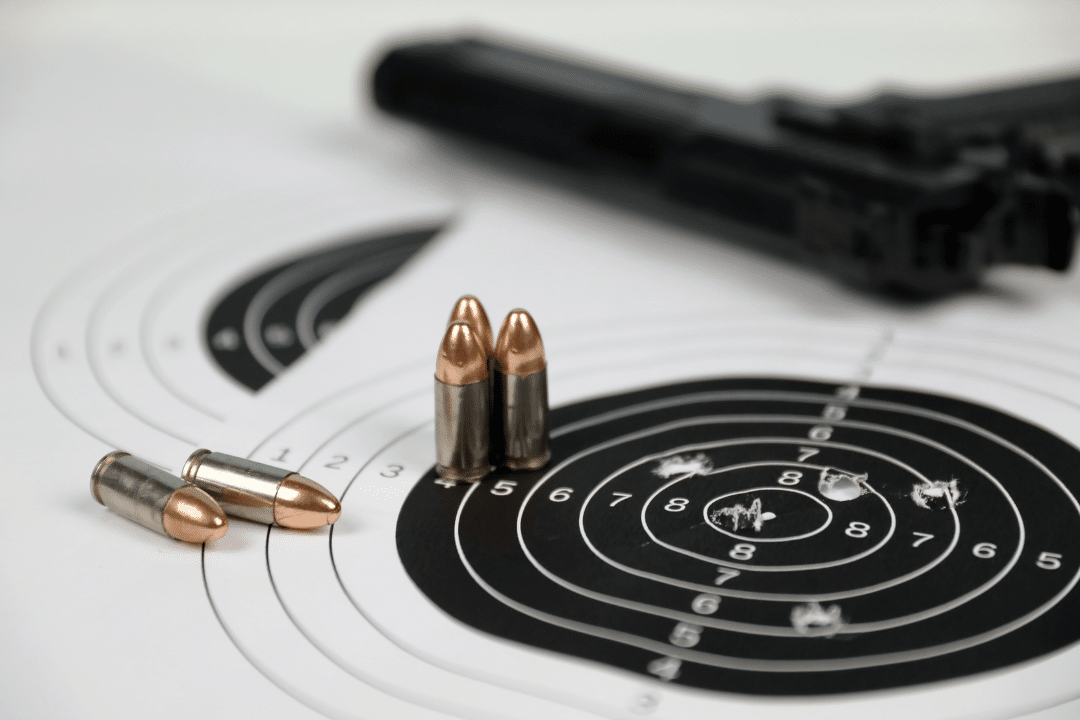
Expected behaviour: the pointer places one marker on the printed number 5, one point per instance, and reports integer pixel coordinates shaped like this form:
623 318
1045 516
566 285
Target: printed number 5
504 487
1049 561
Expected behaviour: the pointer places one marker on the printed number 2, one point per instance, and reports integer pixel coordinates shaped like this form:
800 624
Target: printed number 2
336 461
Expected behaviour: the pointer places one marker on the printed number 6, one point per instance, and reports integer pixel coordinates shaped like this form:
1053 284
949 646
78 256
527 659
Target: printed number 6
560 494
984 550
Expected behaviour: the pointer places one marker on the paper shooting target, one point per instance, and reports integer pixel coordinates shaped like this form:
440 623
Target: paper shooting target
767 536
749 512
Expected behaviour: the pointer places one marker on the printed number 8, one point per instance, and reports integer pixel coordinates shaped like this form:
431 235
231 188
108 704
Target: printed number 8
857 529
742 551
676 504
790 477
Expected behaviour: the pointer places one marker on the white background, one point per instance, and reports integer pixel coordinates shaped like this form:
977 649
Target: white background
115 117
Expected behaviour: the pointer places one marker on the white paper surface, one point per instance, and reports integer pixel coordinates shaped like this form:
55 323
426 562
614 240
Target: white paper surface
149 159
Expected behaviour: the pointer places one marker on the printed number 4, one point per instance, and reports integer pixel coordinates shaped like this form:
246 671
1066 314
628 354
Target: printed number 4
665 668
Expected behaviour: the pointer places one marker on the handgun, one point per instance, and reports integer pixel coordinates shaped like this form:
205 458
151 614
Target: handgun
905 194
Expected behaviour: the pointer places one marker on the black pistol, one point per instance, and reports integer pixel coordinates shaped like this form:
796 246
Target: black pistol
916 196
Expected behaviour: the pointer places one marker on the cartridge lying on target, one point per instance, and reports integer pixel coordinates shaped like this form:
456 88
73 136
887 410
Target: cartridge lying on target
262 493
156 499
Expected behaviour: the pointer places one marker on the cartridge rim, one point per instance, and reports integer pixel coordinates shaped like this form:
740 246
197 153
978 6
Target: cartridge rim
99 469
191 467
464 475
527 463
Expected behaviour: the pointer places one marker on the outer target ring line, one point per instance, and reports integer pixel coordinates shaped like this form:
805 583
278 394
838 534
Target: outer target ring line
722 661
669 650
889 658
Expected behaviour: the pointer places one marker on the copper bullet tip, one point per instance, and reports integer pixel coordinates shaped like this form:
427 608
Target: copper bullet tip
302 504
468 309
462 360
192 516
519 351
